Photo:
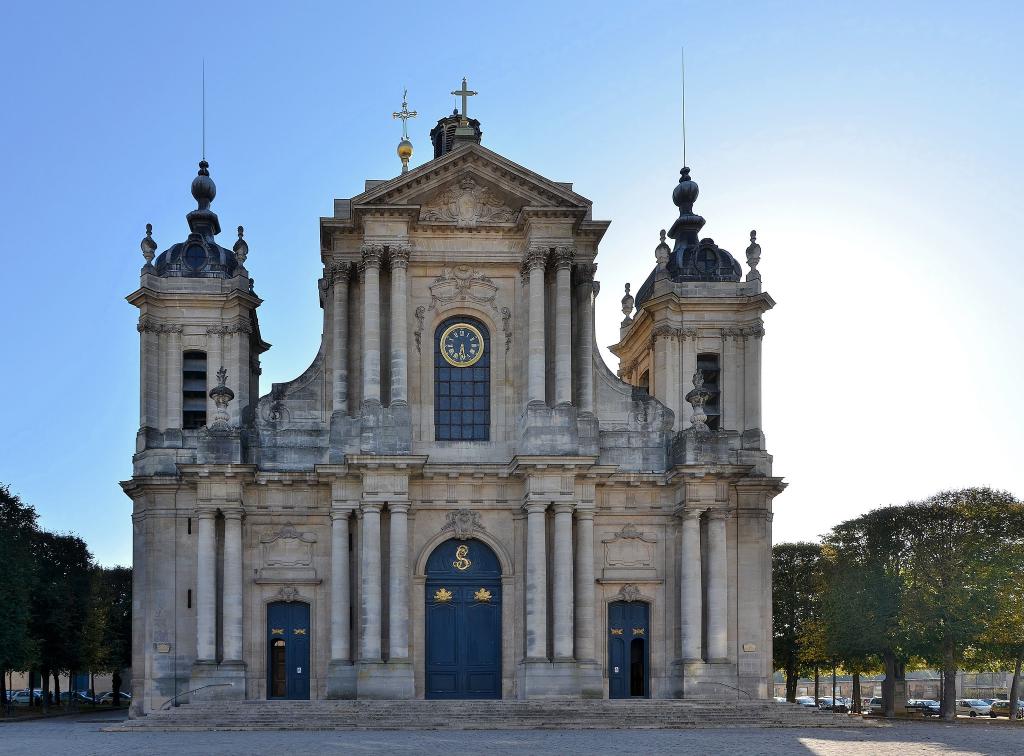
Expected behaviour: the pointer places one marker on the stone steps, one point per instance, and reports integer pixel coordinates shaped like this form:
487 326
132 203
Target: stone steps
482 715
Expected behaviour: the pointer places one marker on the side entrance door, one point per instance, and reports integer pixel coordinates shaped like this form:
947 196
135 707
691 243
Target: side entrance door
628 649
463 621
288 650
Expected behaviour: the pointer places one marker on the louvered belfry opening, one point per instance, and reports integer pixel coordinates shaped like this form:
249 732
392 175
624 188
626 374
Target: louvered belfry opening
193 390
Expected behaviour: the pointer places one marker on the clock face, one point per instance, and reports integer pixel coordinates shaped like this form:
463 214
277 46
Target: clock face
461 345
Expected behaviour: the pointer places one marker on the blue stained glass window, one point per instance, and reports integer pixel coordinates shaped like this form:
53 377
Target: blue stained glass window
462 395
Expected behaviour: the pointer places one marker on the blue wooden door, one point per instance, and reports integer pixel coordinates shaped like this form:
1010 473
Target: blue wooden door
463 618
288 634
629 649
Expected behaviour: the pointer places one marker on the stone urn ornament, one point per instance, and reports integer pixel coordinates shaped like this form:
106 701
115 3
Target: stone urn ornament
221 396
698 397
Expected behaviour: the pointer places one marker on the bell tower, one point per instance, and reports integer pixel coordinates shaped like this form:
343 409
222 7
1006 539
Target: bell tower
197 318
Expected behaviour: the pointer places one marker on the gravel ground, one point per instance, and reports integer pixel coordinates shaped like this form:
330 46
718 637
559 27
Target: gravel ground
81 736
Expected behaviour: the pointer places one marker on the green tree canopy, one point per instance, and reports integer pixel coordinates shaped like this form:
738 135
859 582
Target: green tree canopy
797 585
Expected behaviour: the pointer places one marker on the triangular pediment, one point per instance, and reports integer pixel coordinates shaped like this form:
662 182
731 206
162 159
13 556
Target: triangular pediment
471 186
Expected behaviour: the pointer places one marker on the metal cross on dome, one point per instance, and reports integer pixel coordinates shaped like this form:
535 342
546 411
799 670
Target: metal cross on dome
405 114
465 94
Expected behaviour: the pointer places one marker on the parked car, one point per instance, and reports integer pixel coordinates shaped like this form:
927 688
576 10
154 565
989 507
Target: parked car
874 706
21 697
973 707
1001 708
927 706
806 701
108 697
780 699
839 704
78 696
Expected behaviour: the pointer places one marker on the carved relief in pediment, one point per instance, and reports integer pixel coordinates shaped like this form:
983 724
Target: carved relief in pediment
466 204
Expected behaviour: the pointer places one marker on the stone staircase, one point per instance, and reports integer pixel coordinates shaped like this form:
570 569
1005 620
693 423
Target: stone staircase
557 714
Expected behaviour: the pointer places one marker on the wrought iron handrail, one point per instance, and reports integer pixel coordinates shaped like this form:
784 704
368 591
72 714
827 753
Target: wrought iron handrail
732 687
170 701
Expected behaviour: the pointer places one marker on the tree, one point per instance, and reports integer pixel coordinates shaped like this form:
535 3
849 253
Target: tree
59 603
966 548
796 587
17 580
863 608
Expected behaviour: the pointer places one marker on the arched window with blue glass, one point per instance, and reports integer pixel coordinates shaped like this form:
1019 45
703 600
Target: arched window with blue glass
462 380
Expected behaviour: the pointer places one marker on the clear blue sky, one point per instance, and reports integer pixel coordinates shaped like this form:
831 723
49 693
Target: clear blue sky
876 148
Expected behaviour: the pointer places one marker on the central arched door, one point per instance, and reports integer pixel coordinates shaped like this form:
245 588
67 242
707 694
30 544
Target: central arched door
463 621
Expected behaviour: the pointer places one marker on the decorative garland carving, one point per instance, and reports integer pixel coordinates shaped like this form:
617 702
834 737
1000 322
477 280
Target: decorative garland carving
463 283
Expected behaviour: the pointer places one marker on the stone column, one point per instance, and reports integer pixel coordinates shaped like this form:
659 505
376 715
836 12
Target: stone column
398 582
562 595
233 590
372 255
370 611
206 587
536 582
585 321
689 346
752 375
174 375
163 409
339 292
690 609
341 646
585 582
235 375
731 382
563 259
149 363
399 325
214 362
718 586
534 263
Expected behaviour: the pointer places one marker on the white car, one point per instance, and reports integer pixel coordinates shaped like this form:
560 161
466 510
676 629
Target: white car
874 706
973 707
805 701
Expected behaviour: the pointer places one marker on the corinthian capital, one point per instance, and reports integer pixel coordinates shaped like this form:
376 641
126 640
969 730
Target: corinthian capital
373 255
563 257
399 255
536 257
340 272
585 273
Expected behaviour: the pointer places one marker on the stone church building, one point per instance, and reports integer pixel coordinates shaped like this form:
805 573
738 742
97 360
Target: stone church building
457 498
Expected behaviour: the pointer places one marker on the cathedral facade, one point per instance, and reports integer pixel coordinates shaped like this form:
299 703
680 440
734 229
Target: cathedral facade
456 498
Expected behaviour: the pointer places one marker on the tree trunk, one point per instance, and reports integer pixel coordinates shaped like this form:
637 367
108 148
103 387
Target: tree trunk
856 693
889 684
92 688
817 684
3 688
948 708
46 690
833 684
56 689
116 685
792 678
1015 687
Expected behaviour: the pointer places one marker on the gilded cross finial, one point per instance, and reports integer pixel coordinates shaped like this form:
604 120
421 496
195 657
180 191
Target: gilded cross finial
465 94
405 114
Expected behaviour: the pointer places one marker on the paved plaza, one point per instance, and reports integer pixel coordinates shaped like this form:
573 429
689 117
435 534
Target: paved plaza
81 736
